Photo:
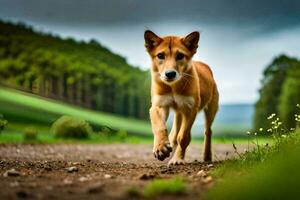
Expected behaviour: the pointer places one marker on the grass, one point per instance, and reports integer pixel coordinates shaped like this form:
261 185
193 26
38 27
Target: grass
158 187
265 172
174 186
271 174
20 107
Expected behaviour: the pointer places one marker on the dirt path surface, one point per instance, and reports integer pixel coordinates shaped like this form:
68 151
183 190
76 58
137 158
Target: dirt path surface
79 171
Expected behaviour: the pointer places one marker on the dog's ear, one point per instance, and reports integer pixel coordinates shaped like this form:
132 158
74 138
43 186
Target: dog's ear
191 41
151 40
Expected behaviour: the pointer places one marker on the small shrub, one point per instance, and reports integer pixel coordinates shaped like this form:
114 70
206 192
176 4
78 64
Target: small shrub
3 123
121 135
30 133
71 127
107 131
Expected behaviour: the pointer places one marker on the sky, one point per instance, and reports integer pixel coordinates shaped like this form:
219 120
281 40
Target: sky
238 38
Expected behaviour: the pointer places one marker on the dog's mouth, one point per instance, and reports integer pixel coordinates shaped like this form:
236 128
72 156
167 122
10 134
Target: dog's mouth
169 81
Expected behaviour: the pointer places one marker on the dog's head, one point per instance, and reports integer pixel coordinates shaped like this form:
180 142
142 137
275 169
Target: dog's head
171 55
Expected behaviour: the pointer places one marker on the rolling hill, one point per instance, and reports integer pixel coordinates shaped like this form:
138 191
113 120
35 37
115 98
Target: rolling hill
22 109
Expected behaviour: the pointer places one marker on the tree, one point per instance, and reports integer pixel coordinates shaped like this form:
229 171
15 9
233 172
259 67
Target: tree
82 73
279 93
290 96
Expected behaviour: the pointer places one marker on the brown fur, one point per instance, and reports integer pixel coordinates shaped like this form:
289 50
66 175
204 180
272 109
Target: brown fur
193 89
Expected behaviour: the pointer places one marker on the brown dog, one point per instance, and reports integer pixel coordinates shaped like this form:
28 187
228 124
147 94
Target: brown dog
182 84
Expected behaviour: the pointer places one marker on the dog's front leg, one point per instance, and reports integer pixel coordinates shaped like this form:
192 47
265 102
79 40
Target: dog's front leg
162 147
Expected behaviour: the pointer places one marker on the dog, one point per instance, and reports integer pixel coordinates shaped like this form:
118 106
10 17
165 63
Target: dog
184 85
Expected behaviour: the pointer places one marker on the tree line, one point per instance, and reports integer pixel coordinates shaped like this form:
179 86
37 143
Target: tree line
280 92
82 73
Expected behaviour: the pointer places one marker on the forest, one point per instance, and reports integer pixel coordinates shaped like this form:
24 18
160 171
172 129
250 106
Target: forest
280 92
77 72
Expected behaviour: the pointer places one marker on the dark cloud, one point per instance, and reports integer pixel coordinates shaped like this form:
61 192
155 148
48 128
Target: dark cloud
268 15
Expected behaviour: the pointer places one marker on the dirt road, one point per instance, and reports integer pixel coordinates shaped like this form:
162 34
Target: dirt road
77 171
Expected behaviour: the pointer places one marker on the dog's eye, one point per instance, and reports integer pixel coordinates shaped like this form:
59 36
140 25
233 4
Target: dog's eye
179 56
161 56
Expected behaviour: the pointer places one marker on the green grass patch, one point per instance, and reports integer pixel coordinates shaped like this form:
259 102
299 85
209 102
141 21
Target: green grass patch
174 186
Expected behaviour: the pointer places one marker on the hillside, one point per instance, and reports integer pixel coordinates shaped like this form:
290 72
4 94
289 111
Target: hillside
22 109
81 73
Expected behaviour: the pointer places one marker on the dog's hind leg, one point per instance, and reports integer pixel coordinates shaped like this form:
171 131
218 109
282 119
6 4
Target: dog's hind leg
175 129
210 113
183 138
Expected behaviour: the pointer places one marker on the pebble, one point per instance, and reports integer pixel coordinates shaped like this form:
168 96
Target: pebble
146 176
11 172
83 179
72 169
67 181
202 173
210 166
107 176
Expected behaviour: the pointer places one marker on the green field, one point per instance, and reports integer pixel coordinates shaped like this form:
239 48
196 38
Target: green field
23 109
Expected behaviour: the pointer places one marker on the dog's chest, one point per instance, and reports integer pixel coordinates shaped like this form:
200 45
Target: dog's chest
173 100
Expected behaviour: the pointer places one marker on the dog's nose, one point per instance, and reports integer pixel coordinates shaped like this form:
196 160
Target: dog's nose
170 74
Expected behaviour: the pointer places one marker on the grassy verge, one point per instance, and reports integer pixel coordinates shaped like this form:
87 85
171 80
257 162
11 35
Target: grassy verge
272 175
265 172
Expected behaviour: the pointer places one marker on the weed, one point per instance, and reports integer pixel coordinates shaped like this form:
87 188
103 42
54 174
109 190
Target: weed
3 123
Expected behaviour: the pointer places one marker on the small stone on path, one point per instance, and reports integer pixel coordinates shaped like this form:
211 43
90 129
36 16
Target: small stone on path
210 166
202 173
107 176
72 169
146 176
11 172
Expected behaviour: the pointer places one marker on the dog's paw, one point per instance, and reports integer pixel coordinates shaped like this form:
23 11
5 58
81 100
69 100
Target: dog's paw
162 150
176 161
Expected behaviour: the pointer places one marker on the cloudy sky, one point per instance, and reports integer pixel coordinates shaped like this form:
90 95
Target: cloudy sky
238 37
